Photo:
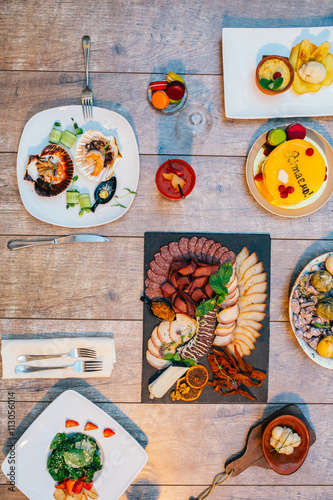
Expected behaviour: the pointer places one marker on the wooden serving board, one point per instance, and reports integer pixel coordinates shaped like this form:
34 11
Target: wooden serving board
259 243
252 454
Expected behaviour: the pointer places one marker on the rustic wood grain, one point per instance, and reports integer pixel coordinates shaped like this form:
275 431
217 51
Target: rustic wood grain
221 432
220 202
26 93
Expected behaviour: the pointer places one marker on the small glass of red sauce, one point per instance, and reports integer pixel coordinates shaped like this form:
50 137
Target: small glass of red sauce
180 168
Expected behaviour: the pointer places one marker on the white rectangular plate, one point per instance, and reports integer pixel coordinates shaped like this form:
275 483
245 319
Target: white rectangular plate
53 210
122 457
243 49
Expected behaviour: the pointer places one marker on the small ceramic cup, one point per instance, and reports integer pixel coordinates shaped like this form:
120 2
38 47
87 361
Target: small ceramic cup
273 64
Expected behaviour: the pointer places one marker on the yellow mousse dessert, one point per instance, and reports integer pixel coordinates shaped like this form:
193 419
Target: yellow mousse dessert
292 173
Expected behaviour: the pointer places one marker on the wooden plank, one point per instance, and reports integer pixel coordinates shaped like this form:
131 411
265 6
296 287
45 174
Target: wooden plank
220 202
305 382
171 435
26 93
225 492
144 37
105 280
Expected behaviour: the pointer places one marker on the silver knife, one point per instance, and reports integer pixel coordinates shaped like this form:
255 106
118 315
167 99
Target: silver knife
71 238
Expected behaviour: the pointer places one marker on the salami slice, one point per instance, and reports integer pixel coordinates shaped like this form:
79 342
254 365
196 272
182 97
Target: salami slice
161 262
211 251
205 248
198 247
157 269
174 249
152 292
191 246
230 255
155 278
183 246
166 254
218 254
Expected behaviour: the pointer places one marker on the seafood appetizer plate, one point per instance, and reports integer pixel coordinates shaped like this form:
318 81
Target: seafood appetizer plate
178 271
312 353
121 456
316 201
243 48
51 208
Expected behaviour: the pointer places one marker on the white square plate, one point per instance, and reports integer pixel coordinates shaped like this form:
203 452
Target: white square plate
53 210
122 457
243 49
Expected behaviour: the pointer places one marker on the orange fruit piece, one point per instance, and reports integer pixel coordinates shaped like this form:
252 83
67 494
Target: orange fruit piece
90 426
197 376
185 392
159 99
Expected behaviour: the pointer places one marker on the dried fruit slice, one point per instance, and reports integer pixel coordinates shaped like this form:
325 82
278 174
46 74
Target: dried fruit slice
197 376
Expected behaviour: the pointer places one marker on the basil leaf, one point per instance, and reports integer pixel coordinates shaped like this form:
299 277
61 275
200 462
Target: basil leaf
277 83
205 307
78 131
222 296
265 83
225 272
177 357
168 356
57 124
215 283
189 362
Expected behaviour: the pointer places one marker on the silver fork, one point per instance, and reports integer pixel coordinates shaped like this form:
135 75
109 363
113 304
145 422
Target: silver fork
78 366
87 95
74 353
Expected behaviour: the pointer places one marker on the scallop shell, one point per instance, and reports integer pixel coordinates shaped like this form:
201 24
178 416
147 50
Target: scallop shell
56 154
86 165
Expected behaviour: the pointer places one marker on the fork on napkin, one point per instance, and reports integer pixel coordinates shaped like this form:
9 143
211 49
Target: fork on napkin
12 349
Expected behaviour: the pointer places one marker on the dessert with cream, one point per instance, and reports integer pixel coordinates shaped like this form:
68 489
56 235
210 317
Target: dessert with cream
292 172
274 74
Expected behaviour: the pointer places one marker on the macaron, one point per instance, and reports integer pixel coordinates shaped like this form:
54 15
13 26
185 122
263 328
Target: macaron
171 76
161 85
159 99
175 90
276 136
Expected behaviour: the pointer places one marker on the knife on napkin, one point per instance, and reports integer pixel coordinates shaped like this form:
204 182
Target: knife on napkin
71 238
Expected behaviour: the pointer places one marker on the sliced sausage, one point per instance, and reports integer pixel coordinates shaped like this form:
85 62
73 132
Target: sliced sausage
191 246
211 251
174 249
166 254
218 254
161 262
198 247
155 278
153 292
205 248
230 255
183 246
157 269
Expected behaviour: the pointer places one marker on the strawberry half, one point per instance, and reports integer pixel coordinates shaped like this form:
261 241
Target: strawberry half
108 433
90 426
71 423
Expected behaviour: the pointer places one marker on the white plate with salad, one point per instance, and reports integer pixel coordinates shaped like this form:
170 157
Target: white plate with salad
35 138
121 456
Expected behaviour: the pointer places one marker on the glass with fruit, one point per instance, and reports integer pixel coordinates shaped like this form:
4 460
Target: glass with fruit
175 179
167 96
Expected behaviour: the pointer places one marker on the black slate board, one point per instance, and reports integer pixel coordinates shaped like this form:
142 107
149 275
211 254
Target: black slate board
259 243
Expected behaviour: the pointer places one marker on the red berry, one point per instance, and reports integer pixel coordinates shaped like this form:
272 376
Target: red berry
284 194
282 188
309 152
267 151
277 75
325 177
290 189
258 177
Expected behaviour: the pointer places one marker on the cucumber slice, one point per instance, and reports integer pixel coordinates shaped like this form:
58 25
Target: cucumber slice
85 203
68 139
54 136
72 197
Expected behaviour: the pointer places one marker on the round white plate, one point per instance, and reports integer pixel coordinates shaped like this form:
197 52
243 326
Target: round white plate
121 455
324 362
53 210
324 148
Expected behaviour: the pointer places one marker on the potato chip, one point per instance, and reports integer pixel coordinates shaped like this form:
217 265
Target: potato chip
320 52
303 54
60 494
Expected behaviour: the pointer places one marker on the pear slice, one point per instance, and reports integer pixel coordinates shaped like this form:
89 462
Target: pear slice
245 339
245 331
249 322
255 307
253 280
253 298
251 271
243 254
248 262
244 347
256 316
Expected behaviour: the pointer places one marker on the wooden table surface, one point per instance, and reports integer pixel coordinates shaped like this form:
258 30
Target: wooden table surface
95 288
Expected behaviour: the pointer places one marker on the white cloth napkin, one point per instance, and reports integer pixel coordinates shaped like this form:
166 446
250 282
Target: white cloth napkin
10 349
